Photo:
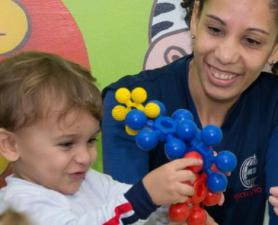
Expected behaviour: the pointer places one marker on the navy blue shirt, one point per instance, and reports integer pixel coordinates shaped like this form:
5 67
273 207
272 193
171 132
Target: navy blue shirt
249 130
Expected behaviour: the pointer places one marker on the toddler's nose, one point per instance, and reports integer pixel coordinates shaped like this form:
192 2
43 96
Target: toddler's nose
83 156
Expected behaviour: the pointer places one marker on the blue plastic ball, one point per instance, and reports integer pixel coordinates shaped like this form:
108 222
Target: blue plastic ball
217 182
186 130
182 114
211 135
136 119
174 149
226 161
146 139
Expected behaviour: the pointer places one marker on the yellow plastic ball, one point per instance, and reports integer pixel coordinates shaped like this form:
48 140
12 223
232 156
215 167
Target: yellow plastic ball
152 110
122 95
3 164
130 131
119 112
139 95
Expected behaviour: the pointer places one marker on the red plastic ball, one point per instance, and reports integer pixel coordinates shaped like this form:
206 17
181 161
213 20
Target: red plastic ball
179 212
200 189
212 199
198 216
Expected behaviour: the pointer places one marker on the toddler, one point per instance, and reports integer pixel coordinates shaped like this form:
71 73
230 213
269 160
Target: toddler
50 112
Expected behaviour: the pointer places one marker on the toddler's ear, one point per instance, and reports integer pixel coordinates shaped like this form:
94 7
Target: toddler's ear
8 145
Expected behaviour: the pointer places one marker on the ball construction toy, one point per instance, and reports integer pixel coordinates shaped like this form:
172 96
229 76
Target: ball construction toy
150 125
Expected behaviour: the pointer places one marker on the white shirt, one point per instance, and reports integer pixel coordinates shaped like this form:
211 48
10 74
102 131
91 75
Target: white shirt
94 203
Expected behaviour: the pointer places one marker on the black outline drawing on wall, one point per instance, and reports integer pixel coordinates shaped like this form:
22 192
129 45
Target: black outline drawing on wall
169 36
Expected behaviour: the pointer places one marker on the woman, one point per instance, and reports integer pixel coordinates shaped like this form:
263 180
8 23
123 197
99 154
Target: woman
222 83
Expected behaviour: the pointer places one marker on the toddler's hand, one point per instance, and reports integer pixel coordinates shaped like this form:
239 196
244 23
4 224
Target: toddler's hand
170 183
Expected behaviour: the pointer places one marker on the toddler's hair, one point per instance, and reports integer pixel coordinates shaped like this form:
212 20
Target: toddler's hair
31 81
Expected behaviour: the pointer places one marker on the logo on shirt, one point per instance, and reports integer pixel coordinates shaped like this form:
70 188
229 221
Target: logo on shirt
248 172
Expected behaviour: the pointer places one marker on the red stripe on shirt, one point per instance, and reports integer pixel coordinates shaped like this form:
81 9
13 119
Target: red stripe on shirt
119 210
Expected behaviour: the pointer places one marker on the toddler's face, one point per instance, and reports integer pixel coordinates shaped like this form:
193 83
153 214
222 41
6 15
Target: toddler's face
57 153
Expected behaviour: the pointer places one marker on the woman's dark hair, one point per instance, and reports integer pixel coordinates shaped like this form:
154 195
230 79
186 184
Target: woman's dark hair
188 6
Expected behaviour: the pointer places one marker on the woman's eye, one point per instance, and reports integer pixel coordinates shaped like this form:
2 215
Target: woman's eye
250 42
214 30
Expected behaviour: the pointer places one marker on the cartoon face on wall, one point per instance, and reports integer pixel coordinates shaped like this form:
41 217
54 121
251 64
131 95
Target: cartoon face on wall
14 26
40 25
169 35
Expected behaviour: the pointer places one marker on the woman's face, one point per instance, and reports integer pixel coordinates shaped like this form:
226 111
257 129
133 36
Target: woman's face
234 40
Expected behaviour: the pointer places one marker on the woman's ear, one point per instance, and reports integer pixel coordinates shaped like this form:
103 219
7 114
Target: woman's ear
274 55
8 145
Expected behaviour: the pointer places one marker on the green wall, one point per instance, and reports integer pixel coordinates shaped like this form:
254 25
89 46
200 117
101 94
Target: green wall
116 35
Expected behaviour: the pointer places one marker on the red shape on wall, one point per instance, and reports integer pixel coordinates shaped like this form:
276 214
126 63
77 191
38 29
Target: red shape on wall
51 28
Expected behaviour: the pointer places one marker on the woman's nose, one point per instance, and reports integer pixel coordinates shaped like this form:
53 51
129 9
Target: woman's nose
227 52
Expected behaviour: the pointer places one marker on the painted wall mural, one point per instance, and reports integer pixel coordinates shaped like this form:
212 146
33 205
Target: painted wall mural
15 32
169 36
125 37
44 25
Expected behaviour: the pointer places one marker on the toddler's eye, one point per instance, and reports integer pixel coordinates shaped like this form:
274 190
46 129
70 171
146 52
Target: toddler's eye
66 144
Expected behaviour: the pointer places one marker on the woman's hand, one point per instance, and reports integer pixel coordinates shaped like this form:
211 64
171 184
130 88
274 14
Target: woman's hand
273 199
